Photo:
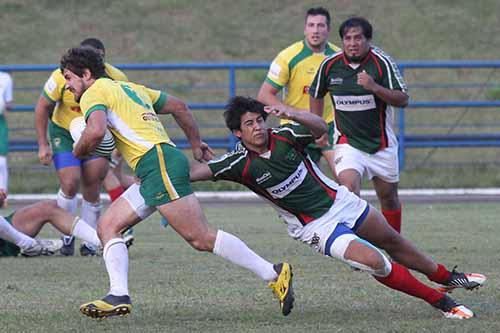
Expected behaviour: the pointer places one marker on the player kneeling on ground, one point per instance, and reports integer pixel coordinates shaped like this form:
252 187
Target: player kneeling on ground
18 229
318 211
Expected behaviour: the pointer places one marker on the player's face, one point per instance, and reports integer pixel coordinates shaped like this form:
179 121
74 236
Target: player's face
75 84
355 44
253 132
316 31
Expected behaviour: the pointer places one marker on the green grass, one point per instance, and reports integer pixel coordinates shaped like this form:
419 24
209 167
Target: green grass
176 289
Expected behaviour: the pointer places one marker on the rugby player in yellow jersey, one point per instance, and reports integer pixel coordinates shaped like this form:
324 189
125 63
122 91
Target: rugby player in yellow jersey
130 112
293 71
58 104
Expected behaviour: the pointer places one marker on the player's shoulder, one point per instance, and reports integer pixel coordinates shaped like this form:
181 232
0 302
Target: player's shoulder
114 73
291 129
57 76
291 51
332 48
379 53
5 77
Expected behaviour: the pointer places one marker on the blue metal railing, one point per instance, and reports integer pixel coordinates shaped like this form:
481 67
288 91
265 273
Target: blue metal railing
406 141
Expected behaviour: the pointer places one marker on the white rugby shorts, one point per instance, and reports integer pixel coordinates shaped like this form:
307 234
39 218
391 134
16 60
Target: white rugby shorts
136 202
384 164
344 218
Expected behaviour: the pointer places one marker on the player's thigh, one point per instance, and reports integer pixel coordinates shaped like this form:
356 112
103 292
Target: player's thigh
350 166
94 169
119 216
377 231
384 165
30 219
69 179
186 217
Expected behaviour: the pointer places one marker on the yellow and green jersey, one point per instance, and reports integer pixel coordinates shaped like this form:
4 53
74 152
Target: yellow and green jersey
67 108
294 69
131 115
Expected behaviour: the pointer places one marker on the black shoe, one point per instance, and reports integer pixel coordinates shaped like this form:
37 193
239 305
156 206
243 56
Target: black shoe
467 281
68 248
451 309
88 250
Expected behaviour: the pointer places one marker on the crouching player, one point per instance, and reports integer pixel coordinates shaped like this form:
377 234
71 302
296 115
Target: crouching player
318 211
18 229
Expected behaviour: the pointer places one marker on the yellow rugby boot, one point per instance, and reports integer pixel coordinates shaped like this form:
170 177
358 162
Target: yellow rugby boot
107 307
283 288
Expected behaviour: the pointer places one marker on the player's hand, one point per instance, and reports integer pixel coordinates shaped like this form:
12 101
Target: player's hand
281 111
366 81
322 141
45 154
203 153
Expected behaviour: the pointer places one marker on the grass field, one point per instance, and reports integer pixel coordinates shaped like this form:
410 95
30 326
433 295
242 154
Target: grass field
175 289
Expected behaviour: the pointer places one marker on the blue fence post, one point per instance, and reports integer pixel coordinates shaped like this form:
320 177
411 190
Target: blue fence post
232 140
402 143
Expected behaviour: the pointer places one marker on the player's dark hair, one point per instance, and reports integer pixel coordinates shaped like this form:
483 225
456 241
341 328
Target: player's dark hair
355 22
237 106
95 43
319 11
78 59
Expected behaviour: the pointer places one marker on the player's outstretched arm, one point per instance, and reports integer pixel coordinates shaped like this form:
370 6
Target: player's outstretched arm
92 134
180 111
42 110
200 171
314 123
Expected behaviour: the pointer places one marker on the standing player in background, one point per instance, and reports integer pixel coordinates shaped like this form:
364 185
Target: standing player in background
56 108
130 111
6 97
293 71
364 84
272 162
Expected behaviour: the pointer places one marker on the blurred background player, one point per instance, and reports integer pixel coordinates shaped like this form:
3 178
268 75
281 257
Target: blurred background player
18 229
55 110
6 97
319 212
293 71
365 84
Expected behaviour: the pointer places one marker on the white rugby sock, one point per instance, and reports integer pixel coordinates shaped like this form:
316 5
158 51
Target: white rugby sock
67 203
11 234
233 249
91 212
85 232
4 174
115 257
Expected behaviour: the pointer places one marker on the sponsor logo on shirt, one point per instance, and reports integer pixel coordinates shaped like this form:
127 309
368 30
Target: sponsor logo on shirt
354 103
305 90
76 109
336 81
284 188
149 116
263 178
274 70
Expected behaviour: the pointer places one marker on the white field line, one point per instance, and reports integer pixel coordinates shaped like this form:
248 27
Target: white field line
244 195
